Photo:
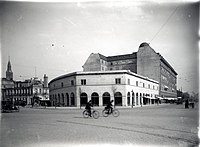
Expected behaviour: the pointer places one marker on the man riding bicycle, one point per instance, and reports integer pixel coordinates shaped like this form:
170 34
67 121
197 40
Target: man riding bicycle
88 107
109 107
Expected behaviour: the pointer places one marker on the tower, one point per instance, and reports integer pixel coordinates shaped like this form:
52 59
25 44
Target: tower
45 81
9 73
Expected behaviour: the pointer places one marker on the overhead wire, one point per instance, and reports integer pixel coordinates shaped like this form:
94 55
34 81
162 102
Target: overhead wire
173 12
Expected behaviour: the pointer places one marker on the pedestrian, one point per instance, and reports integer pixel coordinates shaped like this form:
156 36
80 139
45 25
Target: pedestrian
186 104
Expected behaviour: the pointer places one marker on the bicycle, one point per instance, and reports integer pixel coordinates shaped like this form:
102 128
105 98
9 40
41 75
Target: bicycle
114 112
94 113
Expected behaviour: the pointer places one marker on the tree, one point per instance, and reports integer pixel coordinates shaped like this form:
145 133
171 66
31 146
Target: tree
186 96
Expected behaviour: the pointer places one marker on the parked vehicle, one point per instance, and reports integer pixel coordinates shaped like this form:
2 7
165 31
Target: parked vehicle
7 106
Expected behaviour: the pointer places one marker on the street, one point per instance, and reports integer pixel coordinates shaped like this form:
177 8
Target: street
169 125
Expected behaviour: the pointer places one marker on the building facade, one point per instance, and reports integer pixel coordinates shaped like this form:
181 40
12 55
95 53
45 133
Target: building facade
123 86
25 92
145 62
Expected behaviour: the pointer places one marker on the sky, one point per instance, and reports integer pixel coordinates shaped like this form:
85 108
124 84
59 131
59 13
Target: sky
57 38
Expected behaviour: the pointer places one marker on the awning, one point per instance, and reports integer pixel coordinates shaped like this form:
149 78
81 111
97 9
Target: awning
158 97
167 87
148 97
170 98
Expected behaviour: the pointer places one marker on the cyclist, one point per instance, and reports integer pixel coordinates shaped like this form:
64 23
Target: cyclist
109 106
88 107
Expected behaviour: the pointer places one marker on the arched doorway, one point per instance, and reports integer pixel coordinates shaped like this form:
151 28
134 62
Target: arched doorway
72 99
133 99
95 99
84 99
128 98
58 100
106 98
63 100
118 99
67 99
136 98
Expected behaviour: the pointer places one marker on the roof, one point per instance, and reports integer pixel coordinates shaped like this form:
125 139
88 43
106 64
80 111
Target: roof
102 73
164 61
119 57
144 44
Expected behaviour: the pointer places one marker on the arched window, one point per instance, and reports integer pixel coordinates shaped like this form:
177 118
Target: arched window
118 99
84 99
72 99
106 98
95 99
128 98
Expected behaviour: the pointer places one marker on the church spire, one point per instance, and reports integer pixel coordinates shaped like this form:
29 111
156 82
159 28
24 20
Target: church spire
9 73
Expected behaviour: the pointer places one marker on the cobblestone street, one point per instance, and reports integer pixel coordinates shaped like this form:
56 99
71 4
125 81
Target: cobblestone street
169 125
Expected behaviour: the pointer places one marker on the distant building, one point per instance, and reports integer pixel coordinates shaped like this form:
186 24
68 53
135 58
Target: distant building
123 86
26 92
145 62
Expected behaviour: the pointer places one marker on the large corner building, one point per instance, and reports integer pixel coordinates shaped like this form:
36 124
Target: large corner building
145 62
136 79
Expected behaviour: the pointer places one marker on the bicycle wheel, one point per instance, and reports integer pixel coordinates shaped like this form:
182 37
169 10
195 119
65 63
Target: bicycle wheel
105 113
85 114
115 113
95 114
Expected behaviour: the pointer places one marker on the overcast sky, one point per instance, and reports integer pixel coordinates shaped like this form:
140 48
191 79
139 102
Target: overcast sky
57 38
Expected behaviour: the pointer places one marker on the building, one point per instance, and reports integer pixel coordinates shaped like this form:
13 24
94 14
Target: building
123 86
23 92
145 62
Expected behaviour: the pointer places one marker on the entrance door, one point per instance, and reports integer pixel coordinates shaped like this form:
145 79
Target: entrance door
118 99
84 99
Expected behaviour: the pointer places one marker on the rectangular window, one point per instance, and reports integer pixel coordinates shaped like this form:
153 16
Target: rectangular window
149 86
117 81
143 84
136 83
83 82
72 82
129 82
62 84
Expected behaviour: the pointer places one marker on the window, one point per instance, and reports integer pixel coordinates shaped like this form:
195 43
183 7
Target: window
117 81
149 86
72 82
83 82
128 81
143 84
62 84
136 83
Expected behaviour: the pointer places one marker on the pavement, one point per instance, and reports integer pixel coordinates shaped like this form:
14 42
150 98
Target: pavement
157 125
